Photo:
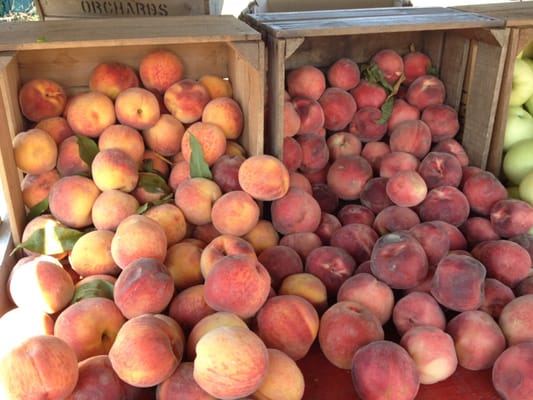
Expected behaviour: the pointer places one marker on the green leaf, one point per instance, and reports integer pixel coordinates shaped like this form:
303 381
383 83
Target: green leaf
41 39
373 74
51 241
153 183
94 288
38 209
386 110
169 198
87 148
197 165
431 70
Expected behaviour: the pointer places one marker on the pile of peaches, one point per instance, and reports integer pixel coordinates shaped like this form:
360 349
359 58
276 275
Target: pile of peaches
163 261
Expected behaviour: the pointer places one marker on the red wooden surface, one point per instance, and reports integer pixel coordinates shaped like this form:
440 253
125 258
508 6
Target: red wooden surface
325 381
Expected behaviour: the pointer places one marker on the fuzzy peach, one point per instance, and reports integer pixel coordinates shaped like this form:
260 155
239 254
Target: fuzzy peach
35 188
112 77
89 113
195 197
137 107
186 99
41 98
111 207
125 138
35 151
159 69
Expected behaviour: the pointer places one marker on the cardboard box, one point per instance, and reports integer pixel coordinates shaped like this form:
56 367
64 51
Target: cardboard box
68 50
467 49
263 6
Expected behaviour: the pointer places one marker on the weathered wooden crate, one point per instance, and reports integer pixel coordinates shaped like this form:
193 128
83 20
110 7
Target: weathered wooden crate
261 6
518 17
54 9
468 50
67 50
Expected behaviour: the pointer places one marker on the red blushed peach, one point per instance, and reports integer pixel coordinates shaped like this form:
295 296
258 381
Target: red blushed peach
356 238
510 376
311 115
483 190
329 223
399 260
137 107
273 183
21 323
433 239
114 169
343 144
368 94
497 295
347 176
333 265
57 127
69 161
188 307
35 188
211 139
511 217
297 179
237 271
296 211
344 73
440 169
306 80
515 320
411 136
111 207
478 339
339 107
262 236
456 237
390 63
458 282
183 263
165 136
35 151
225 172
41 98
89 113
395 161
445 203
366 289
373 153
280 262
443 121
478 229
424 91
226 113
327 199
355 213
308 286
288 323
374 195
433 365
235 213
291 119
159 69
292 154
416 63
315 152
525 286
406 188
453 146
319 176
231 362
79 193
402 111
417 309
395 218
91 254
195 197
111 78
181 383
366 124
179 172
205 233
345 327
42 366
159 342
186 99
372 377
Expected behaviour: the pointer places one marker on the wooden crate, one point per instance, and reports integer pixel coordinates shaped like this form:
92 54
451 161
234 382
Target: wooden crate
518 17
54 9
67 51
467 49
262 6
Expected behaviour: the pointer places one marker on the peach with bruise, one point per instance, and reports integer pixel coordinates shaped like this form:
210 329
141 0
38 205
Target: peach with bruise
217 86
211 139
412 136
171 219
395 218
111 207
292 153
440 169
91 254
41 98
227 114
196 197
89 113
445 203
390 63
417 308
159 69
311 115
35 151
511 217
315 152
406 188
111 78
35 188
426 90
113 168
186 100
69 161
264 177
125 138
368 94
183 263
57 127
291 119
347 176
306 80
308 286
402 111
344 73
343 144
188 307
137 107
262 235
138 236
338 106
71 200
366 124
296 211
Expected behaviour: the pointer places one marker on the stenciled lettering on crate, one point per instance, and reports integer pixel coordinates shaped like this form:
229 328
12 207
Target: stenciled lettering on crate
126 8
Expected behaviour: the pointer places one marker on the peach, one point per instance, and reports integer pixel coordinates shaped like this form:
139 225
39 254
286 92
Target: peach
355 213
291 119
35 151
406 188
302 242
458 282
366 289
40 367
288 323
511 217
125 138
439 168
326 198
372 377
368 94
217 86
395 161
262 236
195 197
478 339
151 188
79 193
390 63
357 239
186 99
183 263
159 69
41 98
35 188
374 196
311 115
433 365
46 226
411 136
182 384
478 229
274 182
515 320
188 307
111 78
366 124
221 246
345 327
292 154
57 127
315 152
225 171
113 168
426 90
307 81
227 114
138 236
111 207
231 362
301 181
204 233
373 153
280 262
308 286
417 308
89 113
525 286
456 237
347 176
497 295
296 211
69 160
91 254
211 139
338 106
153 161
401 111
510 376
416 63
483 190
453 146
343 144
344 73
178 173
433 239
237 271
395 218
171 219
445 203
89 326
329 223
443 121
21 323
319 176
137 107
159 343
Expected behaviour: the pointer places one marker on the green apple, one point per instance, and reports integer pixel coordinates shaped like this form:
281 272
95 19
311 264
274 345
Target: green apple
517 161
525 188
522 82
519 126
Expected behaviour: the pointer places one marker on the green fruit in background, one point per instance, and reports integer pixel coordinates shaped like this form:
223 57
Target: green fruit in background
518 161
525 189
522 83
519 126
